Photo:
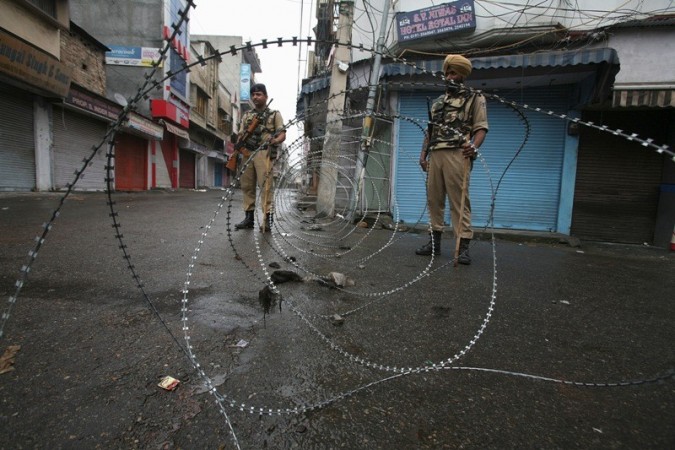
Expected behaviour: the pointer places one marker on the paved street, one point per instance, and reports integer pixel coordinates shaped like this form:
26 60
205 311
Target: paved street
535 345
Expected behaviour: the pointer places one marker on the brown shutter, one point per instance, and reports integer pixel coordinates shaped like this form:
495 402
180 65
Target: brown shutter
617 185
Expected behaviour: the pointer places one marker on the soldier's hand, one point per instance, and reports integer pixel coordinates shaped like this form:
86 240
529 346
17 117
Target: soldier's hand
424 164
469 150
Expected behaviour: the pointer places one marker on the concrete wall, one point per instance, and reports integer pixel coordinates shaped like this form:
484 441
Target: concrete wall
34 27
640 51
126 23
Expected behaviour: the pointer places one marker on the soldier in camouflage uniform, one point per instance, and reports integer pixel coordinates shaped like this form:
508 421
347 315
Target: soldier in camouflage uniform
459 127
267 136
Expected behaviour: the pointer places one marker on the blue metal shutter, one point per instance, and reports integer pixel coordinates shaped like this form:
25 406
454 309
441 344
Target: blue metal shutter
528 197
409 180
217 174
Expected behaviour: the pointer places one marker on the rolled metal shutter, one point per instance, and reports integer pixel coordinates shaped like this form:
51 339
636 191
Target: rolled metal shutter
74 137
617 186
529 194
17 141
187 170
410 195
217 174
131 162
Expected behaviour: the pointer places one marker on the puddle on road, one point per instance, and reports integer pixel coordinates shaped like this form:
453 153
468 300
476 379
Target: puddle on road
222 314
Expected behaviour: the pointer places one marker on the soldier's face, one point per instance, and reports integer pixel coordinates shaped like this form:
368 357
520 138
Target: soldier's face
259 99
453 76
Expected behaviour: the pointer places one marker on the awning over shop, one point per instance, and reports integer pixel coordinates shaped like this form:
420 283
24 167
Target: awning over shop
193 146
217 155
316 85
138 124
176 130
635 96
543 59
200 149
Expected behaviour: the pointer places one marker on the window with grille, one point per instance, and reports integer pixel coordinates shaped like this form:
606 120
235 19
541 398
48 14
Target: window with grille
201 103
224 122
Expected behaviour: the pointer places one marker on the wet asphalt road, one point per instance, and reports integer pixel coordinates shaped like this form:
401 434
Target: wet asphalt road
529 341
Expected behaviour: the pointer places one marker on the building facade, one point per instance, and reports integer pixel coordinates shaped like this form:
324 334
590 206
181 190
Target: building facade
32 78
137 68
207 132
63 88
230 70
547 171
236 73
55 115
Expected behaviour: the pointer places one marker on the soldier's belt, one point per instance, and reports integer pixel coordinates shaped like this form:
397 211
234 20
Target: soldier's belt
449 147
247 152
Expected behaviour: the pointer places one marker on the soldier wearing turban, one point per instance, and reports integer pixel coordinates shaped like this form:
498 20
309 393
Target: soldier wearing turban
457 129
459 64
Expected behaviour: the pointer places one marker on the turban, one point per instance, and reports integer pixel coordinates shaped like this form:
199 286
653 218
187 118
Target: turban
460 64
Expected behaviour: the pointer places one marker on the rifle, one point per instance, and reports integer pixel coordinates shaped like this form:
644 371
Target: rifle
232 162
430 127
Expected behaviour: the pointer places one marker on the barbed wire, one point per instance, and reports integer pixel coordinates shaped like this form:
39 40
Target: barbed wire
278 240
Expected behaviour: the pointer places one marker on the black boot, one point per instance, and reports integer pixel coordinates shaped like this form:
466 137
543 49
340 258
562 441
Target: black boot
434 245
268 223
464 257
247 222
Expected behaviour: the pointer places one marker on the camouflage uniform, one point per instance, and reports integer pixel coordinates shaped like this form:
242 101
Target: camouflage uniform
456 116
259 169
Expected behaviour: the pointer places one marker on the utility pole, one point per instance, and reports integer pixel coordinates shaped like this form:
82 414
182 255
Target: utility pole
325 200
366 134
